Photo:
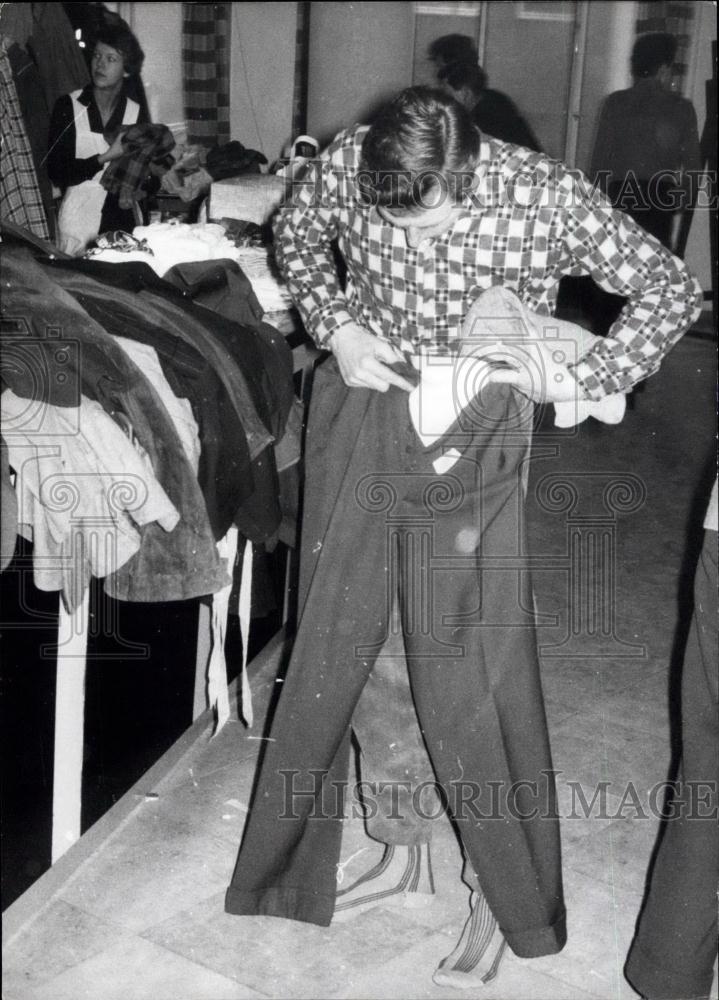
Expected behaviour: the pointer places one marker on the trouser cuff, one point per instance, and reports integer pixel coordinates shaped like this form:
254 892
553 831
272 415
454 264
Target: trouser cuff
538 941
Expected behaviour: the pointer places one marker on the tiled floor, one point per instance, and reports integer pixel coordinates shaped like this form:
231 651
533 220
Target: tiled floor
143 916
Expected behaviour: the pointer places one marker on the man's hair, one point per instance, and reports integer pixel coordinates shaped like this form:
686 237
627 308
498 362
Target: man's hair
420 143
652 51
119 36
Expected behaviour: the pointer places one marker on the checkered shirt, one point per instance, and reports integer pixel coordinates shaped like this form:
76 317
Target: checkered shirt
528 221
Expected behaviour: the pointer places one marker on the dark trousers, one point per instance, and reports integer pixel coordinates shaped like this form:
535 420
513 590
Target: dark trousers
672 956
379 521
397 788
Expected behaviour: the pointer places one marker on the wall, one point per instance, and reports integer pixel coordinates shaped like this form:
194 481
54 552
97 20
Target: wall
610 36
158 27
516 62
700 70
429 26
262 68
262 75
360 53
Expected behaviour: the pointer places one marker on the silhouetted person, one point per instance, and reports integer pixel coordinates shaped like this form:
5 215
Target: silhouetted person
458 71
647 140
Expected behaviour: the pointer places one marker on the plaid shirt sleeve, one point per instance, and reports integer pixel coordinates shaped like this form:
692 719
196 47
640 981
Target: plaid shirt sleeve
664 299
304 230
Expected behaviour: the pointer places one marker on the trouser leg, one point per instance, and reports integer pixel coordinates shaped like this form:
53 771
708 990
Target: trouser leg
287 861
474 672
397 781
674 950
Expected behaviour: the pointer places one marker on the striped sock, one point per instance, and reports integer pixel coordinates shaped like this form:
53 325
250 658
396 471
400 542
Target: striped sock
403 877
479 951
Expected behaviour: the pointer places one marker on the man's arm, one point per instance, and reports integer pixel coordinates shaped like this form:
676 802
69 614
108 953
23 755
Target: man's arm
664 299
304 230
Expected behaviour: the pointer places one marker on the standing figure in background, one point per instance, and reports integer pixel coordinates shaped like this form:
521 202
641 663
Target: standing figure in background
77 148
458 71
674 950
647 142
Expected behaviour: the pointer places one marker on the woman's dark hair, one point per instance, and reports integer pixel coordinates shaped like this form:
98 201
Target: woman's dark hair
119 36
421 142
652 51
457 61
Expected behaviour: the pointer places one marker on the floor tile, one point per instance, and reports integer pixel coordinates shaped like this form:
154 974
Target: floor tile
60 938
138 970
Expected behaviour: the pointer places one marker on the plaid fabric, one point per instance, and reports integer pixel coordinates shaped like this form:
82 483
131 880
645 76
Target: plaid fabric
206 72
145 145
528 222
20 199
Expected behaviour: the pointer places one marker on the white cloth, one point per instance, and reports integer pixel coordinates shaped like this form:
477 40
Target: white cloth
711 521
178 409
448 386
83 491
182 242
259 267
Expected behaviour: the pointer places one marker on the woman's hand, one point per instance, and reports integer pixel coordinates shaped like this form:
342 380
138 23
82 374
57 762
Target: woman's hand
363 359
114 152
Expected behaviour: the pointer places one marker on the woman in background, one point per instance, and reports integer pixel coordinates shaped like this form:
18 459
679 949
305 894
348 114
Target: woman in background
78 148
458 71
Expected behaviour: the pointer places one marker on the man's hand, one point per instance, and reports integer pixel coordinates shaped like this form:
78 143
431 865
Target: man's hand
363 359
534 368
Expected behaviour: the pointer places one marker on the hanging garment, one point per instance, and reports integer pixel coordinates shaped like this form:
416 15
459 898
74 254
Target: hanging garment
178 409
378 521
36 117
256 363
80 216
16 22
54 48
84 491
219 285
8 510
20 198
168 567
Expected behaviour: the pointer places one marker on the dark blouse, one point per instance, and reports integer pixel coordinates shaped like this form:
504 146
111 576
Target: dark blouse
63 166
497 115
65 169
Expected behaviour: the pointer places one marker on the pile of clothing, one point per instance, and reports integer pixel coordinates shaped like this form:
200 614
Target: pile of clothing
144 426
195 168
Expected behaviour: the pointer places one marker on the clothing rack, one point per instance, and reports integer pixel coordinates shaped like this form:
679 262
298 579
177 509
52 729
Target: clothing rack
210 685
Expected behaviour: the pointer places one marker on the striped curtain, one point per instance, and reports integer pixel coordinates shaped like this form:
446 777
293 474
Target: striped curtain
677 18
302 52
206 71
